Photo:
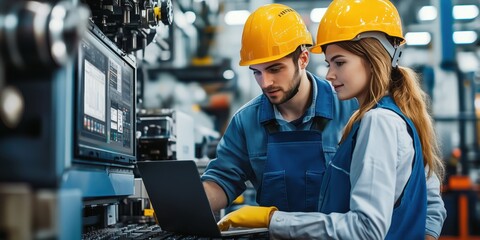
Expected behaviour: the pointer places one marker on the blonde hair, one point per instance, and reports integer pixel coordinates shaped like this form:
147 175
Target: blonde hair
402 84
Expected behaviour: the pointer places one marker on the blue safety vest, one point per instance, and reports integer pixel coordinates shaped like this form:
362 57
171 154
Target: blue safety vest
409 214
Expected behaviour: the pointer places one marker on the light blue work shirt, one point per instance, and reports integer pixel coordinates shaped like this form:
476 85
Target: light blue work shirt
242 151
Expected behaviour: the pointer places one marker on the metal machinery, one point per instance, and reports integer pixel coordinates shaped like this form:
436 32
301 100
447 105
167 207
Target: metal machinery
37 41
165 134
67 164
130 24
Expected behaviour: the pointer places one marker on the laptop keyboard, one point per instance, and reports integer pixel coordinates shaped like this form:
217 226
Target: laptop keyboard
153 232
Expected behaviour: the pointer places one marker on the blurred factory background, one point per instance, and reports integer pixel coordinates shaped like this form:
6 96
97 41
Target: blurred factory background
170 83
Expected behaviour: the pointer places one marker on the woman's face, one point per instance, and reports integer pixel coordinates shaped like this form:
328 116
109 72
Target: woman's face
349 74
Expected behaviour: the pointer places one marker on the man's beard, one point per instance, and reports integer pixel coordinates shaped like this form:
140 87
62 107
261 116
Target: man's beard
292 92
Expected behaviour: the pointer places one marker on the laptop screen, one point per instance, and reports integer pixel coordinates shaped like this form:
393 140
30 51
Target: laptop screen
179 200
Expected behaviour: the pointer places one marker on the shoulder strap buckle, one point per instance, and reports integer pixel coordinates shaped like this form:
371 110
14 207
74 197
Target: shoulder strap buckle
272 126
319 123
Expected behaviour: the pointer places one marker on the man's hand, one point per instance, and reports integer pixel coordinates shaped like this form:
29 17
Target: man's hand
429 237
248 216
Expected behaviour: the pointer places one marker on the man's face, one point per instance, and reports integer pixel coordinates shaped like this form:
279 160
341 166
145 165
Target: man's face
279 80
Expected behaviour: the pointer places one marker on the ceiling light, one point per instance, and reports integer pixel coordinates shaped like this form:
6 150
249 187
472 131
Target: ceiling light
316 14
464 37
465 12
418 38
427 13
237 17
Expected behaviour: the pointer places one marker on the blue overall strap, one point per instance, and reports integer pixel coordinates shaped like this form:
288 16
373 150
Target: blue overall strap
410 209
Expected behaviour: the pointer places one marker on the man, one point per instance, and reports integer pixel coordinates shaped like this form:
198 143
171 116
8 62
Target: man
281 140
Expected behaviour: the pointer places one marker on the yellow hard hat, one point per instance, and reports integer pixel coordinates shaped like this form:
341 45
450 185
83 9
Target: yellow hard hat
271 32
345 19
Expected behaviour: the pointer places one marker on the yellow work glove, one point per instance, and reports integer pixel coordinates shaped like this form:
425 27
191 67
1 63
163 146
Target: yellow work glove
248 216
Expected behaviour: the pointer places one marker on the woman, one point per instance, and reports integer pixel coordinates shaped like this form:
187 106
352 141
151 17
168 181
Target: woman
390 139
375 186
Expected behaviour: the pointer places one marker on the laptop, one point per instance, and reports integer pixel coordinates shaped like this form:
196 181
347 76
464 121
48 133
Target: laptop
179 199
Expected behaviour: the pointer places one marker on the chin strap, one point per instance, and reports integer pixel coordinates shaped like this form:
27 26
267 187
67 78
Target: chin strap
395 51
